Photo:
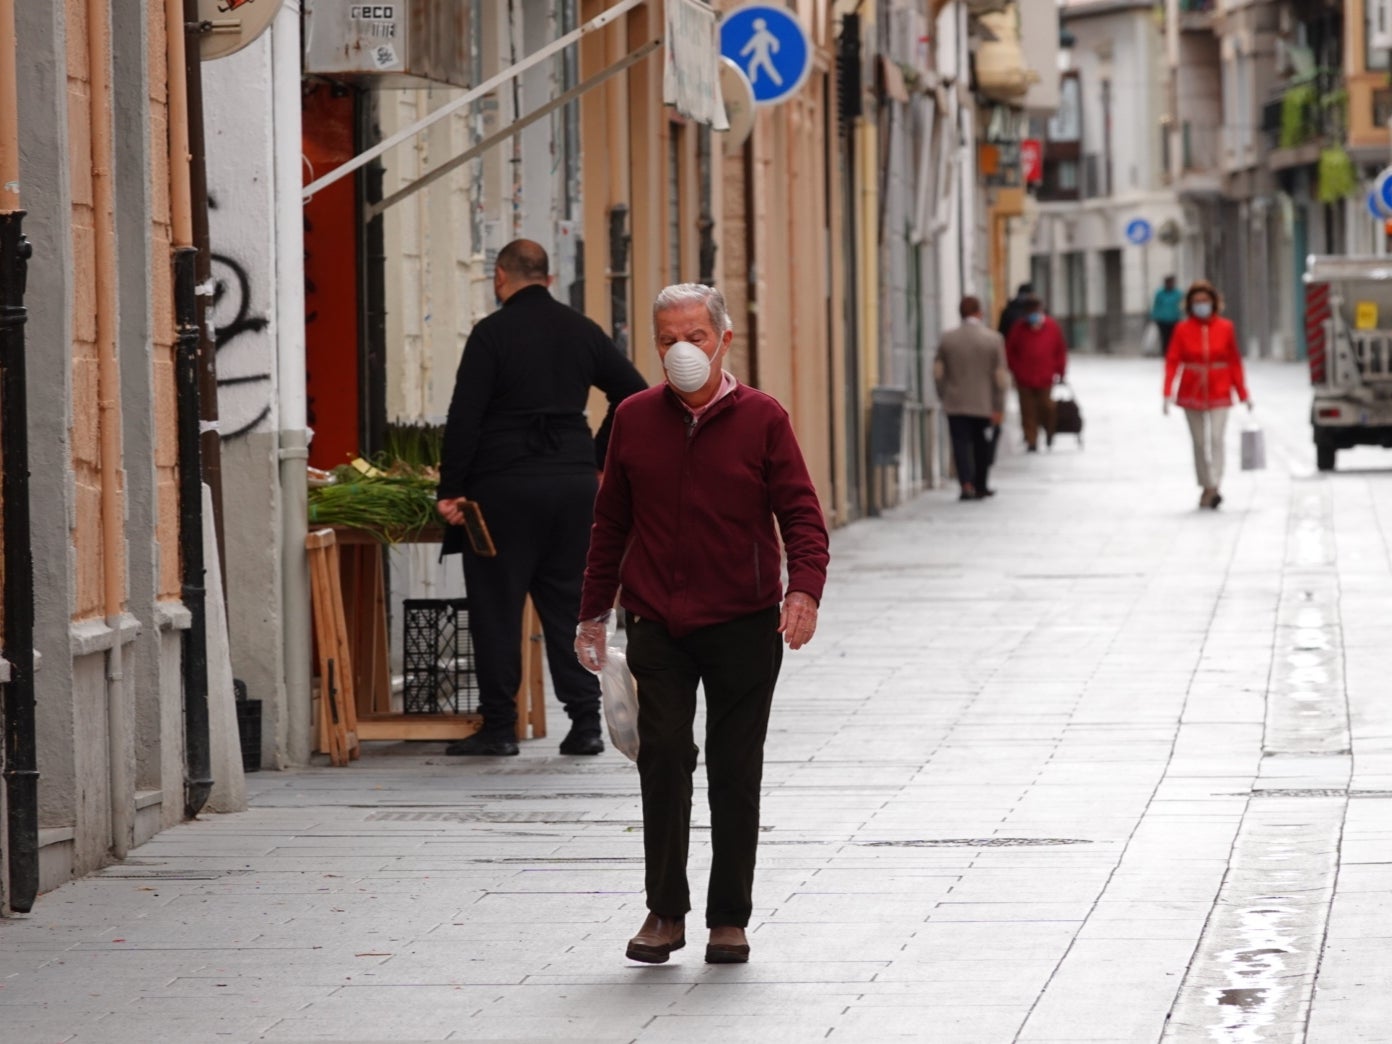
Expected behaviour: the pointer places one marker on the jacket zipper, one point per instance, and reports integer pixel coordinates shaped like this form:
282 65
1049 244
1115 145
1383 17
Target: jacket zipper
1207 367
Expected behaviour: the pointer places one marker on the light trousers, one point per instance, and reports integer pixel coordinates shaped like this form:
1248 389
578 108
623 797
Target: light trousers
1207 428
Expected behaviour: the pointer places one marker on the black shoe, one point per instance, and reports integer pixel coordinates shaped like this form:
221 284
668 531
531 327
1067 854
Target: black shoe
1217 499
967 494
577 742
1032 449
480 745
1049 439
985 493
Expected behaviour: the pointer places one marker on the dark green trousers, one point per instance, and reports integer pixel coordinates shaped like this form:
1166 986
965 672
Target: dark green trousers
738 664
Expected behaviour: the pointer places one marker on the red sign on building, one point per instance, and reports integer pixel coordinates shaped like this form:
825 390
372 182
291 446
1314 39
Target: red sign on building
1032 160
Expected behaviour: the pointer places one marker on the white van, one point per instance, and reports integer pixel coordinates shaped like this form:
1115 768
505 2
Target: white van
1348 332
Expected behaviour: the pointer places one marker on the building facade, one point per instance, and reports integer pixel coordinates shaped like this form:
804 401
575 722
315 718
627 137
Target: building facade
1108 224
106 729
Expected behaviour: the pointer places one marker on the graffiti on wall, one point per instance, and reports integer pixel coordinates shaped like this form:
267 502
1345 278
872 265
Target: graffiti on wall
244 352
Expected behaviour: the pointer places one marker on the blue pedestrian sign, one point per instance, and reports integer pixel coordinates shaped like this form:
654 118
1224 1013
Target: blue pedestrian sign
1138 231
772 48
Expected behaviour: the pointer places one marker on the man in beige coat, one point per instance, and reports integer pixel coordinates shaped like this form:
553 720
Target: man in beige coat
971 377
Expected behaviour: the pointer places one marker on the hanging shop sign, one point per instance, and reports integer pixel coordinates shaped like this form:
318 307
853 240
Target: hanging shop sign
230 25
739 103
401 43
691 69
1032 160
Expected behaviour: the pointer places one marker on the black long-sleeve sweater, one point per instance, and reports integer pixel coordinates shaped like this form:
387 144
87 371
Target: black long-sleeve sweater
521 389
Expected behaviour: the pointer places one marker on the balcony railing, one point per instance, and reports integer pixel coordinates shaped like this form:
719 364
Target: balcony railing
1309 111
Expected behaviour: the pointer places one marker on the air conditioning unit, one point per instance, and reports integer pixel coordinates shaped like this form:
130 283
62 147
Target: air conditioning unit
395 43
1380 25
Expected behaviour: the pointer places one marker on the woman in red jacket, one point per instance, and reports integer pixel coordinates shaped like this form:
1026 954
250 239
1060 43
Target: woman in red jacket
1203 352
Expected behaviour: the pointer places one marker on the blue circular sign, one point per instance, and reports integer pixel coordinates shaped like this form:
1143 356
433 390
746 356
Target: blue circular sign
1138 231
1382 193
771 48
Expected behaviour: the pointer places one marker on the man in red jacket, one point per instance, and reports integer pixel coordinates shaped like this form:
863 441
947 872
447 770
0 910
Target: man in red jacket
1037 356
699 470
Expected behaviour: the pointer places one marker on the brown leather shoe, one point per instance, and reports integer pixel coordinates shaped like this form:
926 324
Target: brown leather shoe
727 945
658 939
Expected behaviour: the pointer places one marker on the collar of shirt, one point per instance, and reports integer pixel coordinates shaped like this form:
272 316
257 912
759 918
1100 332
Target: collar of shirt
974 319
727 385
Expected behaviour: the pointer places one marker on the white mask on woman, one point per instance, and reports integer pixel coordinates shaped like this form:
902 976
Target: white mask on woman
1202 309
688 368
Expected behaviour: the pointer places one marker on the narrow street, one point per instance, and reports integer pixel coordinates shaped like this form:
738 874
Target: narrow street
1078 763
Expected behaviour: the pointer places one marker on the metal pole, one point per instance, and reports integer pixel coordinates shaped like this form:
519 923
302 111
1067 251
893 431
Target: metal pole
20 734
293 731
198 781
210 437
21 764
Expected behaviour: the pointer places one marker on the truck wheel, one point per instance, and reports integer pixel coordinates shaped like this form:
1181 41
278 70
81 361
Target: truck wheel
1324 455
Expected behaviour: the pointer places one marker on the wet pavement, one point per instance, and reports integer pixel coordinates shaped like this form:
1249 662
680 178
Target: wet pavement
1078 763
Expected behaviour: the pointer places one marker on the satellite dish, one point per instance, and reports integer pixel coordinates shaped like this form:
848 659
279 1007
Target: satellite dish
738 94
230 25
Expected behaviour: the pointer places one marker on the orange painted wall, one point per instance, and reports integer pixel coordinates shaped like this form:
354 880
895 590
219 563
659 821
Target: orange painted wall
85 431
162 302
331 283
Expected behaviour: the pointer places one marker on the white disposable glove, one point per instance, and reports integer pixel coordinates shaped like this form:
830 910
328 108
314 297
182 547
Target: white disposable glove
591 639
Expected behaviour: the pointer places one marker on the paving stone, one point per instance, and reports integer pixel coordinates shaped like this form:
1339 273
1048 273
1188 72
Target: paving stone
1002 793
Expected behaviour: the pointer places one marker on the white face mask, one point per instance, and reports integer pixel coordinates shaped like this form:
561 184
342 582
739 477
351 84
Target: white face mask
688 368
1202 309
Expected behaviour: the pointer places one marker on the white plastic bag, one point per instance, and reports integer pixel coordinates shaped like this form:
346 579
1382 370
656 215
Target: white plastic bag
620 700
1150 340
1253 448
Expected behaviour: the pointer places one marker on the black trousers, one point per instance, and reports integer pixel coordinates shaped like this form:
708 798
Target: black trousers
541 528
1166 332
971 449
738 663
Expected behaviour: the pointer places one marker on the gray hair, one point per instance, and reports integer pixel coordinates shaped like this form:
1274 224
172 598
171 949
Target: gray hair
679 294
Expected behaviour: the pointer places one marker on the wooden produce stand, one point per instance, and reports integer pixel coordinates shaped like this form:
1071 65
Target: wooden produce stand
350 613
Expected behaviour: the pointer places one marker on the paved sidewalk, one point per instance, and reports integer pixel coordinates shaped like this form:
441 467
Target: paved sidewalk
1080 763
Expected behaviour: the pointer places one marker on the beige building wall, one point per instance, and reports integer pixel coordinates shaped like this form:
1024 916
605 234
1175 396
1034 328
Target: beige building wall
435 284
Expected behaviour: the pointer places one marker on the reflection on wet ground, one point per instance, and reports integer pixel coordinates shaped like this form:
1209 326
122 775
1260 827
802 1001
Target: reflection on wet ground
1253 976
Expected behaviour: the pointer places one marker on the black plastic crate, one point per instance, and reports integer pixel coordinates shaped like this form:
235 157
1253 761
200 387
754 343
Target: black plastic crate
438 660
248 727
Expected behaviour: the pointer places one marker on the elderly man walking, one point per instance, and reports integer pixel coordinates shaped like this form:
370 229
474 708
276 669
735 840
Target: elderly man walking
971 377
699 471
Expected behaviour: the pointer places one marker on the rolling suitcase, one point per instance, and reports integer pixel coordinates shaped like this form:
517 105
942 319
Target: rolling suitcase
1068 417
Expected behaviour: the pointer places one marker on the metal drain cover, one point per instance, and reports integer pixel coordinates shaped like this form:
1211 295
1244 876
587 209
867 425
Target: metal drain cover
480 815
130 873
1308 792
976 842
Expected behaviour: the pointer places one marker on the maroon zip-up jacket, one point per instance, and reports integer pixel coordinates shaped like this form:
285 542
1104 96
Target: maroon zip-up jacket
684 520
